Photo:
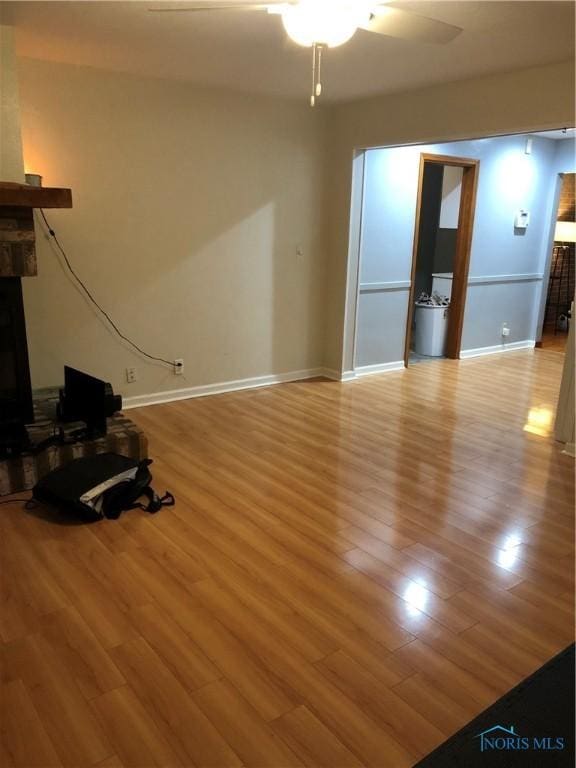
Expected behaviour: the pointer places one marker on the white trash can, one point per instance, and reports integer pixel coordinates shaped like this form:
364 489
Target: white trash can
431 327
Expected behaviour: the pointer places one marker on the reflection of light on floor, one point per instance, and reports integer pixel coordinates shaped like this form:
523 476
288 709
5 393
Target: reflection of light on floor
539 421
510 541
416 596
507 557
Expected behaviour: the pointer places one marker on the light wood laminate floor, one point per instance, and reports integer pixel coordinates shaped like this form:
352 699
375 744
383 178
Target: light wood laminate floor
554 342
351 573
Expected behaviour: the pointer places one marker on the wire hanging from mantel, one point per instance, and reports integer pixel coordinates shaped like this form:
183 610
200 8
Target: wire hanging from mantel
317 50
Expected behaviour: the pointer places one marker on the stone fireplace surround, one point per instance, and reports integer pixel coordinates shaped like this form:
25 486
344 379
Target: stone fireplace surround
18 260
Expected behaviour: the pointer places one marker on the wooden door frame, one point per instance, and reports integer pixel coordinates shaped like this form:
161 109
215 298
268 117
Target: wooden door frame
470 173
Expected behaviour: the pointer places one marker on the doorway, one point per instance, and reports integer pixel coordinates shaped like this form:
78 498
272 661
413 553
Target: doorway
444 251
560 285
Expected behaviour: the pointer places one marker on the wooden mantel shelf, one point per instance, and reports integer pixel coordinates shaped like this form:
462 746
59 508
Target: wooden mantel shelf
17 235
26 196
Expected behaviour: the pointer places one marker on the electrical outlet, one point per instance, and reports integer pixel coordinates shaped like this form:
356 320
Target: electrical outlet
505 329
179 367
131 375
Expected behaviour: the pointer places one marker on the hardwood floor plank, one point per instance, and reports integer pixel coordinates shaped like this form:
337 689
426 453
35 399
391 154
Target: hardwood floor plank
315 745
94 600
515 659
470 658
63 711
404 723
268 607
514 606
400 562
227 653
528 632
183 724
338 597
435 705
24 738
40 590
353 726
278 657
111 762
184 659
253 740
17 617
451 679
77 647
465 558
133 732
417 596
561 604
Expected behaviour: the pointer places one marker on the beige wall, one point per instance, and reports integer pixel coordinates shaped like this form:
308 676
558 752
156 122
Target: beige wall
11 163
189 208
190 205
528 100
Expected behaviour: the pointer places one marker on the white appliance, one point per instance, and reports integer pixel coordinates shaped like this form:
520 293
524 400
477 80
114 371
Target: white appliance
431 328
442 283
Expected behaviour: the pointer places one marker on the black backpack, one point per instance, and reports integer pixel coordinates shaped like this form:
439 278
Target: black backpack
101 486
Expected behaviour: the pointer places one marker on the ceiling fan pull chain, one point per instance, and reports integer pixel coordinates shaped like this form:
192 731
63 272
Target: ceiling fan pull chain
318 90
313 97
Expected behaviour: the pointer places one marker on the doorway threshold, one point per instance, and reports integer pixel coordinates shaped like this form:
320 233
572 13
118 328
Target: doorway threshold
414 358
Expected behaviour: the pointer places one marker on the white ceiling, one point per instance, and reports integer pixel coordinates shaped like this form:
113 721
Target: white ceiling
250 51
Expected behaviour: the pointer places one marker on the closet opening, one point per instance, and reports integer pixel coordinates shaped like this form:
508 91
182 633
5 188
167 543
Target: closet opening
441 256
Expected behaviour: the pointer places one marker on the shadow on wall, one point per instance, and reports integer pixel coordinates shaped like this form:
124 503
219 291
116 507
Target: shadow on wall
190 210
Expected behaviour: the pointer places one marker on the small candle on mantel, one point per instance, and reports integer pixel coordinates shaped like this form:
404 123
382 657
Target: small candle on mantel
33 179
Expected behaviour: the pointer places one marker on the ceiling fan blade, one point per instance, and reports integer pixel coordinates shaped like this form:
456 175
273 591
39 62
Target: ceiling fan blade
222 6
406 25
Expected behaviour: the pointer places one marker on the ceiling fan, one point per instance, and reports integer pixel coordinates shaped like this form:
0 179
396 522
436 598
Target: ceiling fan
321 24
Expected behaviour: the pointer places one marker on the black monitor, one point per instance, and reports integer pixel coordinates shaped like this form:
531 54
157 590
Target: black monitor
84 399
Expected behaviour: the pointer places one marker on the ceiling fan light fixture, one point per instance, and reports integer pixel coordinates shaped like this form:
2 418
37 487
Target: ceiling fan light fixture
324 22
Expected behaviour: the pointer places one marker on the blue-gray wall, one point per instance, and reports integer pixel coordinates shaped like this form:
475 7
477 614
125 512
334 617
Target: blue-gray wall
506 266
565 160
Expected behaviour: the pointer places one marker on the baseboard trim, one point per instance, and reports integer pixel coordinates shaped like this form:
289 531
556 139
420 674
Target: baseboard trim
331 373
369 370
188 393
570 450
512 347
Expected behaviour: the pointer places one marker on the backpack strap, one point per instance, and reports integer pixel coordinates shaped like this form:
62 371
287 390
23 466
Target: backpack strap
155 502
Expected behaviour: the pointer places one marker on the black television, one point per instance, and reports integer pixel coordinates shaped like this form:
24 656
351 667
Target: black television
88 399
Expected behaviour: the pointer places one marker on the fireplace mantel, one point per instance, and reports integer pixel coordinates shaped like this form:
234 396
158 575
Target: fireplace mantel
27 196
17 237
